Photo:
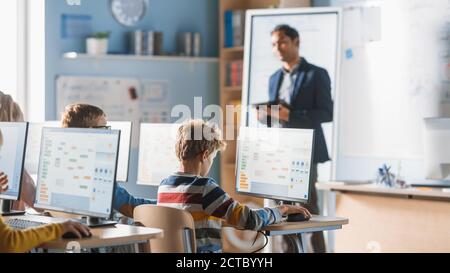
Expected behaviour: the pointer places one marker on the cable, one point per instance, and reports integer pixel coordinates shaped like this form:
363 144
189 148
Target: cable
267 241
256 238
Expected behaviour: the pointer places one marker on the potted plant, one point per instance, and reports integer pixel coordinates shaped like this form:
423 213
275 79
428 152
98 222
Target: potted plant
97 43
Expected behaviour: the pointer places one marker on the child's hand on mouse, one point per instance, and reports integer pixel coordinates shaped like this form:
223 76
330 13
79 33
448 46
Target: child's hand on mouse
3 182
76 228
288 209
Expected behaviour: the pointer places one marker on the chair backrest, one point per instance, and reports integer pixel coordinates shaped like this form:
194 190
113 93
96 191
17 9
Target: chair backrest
178 226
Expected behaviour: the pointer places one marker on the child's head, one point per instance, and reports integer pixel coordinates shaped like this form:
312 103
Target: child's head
198 142
9 110
83 116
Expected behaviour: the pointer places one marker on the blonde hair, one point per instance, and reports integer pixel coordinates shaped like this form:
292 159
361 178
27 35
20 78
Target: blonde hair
195 137
9 110
81 116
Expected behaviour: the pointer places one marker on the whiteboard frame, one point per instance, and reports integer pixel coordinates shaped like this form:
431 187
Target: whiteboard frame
247 54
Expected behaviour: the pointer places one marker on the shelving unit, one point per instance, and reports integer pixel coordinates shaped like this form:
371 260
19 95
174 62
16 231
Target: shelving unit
82 56
229 89
230 95
238 49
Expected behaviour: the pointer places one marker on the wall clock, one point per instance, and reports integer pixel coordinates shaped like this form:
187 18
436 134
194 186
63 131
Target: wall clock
128 12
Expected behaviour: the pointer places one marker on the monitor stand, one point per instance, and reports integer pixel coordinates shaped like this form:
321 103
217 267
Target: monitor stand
95 222
6 209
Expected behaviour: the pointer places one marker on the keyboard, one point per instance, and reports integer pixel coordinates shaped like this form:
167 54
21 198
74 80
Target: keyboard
23 224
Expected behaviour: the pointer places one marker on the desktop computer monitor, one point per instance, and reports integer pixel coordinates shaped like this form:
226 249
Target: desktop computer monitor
77 171
437 149
124 148
13 138
157 159
275 163
34 145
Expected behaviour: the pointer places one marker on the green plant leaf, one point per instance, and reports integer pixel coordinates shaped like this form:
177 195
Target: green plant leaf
101 35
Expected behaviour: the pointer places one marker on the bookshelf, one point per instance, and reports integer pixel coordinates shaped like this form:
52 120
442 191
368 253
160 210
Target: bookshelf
231 95
129 57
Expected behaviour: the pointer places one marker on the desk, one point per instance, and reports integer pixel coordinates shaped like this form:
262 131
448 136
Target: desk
298 230
295 231
102 237
390 220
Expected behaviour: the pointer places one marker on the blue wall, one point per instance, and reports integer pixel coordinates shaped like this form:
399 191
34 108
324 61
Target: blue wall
186 79
168 16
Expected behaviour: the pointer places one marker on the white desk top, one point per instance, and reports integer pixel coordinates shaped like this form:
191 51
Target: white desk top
315 222
374 189
101 237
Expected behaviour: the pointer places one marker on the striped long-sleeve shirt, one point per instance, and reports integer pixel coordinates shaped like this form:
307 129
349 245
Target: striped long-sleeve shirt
209 206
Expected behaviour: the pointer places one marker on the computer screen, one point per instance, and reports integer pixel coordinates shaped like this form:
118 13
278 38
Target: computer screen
275 163
13 138
157 159
124 148
77 170
34 145
437 148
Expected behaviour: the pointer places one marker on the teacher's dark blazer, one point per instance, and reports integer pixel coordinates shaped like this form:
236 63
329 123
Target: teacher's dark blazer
311 103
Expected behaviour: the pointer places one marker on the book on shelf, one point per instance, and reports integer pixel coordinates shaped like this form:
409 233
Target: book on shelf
237 115
233 72
234 28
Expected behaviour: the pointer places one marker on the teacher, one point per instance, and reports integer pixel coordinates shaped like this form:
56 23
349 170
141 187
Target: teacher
303 92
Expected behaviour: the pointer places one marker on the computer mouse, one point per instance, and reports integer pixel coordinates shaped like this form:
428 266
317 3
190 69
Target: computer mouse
297 218
71 235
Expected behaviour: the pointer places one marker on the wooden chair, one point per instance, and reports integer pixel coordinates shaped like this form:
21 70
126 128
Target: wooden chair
178 226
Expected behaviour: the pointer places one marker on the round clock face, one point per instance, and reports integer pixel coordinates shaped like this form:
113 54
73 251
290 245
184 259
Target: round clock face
128 12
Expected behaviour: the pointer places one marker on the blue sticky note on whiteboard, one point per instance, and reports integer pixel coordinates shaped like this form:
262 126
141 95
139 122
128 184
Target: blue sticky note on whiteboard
75 26
349 54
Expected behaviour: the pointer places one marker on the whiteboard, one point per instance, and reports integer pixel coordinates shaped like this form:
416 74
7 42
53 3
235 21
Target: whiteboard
157 159
389 86
320 42
122 99
110 94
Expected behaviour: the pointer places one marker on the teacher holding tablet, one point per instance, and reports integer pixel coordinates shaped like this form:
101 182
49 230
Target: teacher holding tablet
302 92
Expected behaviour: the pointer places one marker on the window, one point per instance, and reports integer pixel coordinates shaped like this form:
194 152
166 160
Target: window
9 55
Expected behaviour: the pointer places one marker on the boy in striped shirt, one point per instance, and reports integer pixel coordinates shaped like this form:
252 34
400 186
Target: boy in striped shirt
190 189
